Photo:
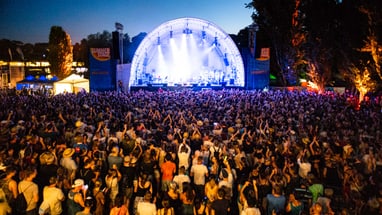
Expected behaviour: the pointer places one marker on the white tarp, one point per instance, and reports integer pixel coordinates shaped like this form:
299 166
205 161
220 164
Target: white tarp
72 84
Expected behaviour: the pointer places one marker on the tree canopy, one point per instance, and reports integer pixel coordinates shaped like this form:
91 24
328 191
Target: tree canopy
318 40
60 54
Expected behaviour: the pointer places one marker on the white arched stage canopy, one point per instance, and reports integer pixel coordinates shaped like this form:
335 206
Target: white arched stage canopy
187 51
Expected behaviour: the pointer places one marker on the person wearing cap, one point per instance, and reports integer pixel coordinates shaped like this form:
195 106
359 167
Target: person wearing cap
76 197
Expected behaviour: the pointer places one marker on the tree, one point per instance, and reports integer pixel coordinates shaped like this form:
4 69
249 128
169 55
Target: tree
282 22
321 41
60 54
362 80
374 20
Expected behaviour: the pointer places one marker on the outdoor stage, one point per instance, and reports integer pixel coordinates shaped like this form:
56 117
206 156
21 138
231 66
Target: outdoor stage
187 53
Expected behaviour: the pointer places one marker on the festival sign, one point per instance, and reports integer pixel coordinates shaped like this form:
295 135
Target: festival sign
102 70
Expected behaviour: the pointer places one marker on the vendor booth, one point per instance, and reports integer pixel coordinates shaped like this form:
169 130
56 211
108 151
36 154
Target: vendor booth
72 84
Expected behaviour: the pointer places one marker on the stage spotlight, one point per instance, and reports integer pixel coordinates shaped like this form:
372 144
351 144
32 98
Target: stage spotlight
215 43
204 35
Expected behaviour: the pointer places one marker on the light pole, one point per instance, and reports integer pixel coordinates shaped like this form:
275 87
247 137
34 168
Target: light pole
119 29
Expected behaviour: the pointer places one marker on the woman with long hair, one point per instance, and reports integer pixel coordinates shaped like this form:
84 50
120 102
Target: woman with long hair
187 198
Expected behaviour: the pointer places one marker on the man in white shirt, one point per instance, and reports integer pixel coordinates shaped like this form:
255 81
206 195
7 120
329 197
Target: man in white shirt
304 166
184 152
53 196
199 172
146 207
181 178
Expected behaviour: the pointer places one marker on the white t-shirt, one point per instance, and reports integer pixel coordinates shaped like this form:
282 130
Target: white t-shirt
199 171
146 208
250 211
53 196
180 179
304 169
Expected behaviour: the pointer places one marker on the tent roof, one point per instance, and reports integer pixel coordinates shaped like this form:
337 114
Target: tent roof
73 79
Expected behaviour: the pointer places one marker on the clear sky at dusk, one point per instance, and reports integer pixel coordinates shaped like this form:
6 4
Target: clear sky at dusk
30 21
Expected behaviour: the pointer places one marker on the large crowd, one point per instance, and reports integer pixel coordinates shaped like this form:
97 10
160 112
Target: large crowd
190 153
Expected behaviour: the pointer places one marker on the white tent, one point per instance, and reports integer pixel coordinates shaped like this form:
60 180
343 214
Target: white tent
72 84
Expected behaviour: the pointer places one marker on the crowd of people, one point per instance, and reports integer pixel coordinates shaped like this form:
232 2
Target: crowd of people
190 153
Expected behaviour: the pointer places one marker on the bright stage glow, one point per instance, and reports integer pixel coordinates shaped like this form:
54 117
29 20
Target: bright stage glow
187 51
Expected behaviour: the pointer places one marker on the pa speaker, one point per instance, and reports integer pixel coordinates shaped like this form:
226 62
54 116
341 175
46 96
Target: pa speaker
116 54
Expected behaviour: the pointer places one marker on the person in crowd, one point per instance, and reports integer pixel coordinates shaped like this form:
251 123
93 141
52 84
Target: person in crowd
211 190
168 169
76 197
53 197
171 196
251 206
316 188
181 178
88 173
112 183
99 198
69 164
129 174
115 157
9 186
221 204
199 172
146 207
89 202
325 200
294 206
30 190
166 208
187 198
119 207
276 201
141 186
227 178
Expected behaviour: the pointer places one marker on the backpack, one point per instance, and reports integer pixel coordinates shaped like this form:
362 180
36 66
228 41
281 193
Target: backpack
21 202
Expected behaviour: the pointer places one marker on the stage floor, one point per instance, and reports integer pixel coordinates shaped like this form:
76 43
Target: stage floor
156 87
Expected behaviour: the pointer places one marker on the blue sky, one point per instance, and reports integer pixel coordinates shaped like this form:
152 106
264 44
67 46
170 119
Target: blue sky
29 21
